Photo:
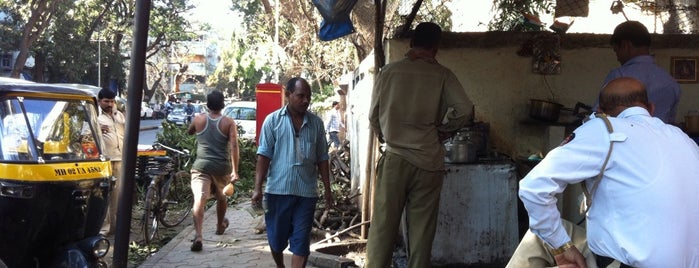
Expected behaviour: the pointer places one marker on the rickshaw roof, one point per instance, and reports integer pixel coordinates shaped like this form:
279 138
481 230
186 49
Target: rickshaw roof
8 85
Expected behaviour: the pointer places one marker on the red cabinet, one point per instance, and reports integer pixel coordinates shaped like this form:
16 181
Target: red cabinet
269 98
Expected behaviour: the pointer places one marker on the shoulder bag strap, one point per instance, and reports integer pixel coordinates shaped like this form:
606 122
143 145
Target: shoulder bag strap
588 194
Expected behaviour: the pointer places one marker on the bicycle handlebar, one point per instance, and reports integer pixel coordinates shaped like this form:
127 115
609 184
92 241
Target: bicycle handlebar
171 149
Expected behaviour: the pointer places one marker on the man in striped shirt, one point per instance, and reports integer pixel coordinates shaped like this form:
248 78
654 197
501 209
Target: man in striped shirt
292 153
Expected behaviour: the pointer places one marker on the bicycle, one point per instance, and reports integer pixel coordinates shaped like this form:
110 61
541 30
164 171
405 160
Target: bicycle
168 199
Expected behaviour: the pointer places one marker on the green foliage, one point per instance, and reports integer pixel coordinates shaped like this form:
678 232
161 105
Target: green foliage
10 27
242 66
68 48
509 13
246 170
176 136
294 51
321 94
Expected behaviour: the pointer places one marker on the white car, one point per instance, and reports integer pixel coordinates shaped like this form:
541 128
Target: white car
245 115
146 112
178 116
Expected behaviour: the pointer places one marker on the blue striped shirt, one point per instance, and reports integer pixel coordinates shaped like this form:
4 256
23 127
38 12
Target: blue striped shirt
293 168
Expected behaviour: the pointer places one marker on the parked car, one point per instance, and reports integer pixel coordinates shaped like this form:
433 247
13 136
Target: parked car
178 116
146 111
245 115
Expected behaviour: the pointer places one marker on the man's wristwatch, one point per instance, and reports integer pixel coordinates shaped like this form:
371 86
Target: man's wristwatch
562 249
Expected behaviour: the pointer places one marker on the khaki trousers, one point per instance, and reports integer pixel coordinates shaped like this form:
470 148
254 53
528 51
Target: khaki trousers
109 225
401 185
533 253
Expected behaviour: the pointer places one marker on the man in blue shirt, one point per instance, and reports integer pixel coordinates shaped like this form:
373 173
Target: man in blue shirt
631 44
292 152
189 112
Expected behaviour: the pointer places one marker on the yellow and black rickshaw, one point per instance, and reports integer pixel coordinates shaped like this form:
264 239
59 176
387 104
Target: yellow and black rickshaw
54 179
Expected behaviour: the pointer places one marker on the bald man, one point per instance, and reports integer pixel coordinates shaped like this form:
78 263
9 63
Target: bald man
639 171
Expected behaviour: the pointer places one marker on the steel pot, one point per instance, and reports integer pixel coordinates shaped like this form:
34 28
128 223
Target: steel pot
477 134
460 151
545 110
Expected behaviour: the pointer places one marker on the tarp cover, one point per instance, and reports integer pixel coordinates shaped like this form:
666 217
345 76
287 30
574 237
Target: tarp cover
336 21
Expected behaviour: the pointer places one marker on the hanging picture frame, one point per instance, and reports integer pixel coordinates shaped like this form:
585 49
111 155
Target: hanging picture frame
684 69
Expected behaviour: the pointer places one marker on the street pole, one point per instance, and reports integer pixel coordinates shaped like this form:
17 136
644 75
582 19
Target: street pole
99 59
128 165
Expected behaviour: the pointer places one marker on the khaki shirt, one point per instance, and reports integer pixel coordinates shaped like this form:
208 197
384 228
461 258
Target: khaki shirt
414 100
114 138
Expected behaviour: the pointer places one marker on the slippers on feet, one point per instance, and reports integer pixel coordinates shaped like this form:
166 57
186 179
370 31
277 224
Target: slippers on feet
222 228
196 245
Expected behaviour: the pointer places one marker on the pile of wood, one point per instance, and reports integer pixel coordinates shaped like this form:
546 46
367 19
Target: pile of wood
343 219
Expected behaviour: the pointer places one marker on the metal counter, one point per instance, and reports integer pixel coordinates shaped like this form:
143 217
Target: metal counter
477 221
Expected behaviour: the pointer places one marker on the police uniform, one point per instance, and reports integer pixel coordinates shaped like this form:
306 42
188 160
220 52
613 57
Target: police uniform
642 213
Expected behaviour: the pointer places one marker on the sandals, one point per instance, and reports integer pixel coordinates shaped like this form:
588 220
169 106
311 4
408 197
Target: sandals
222 227
196 245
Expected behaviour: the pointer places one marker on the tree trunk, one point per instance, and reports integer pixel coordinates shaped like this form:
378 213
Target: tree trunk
41 14
364 20
672 25
39 66
148 92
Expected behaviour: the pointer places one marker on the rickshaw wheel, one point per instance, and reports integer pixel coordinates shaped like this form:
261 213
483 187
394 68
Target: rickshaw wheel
178 199
150 213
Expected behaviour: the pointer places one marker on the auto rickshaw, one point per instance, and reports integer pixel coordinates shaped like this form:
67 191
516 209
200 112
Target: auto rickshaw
54 178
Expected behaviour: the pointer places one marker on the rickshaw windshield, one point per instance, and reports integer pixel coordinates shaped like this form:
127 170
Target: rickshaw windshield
48 130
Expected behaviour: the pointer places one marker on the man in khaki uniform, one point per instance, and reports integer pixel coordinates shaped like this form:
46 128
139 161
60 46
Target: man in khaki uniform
112 123
417 103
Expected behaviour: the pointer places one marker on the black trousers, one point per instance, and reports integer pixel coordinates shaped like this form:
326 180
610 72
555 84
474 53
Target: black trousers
603 261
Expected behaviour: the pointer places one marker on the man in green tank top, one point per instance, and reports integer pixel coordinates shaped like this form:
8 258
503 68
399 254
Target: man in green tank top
216 164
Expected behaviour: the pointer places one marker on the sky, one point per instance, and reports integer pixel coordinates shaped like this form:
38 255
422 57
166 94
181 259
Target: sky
218 14
473 16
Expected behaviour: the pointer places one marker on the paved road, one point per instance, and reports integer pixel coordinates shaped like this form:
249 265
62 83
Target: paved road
148 130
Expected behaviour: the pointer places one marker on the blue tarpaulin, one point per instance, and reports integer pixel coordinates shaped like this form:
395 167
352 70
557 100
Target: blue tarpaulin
336 21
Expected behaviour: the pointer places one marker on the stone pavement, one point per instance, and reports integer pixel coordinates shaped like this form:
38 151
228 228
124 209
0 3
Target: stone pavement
238 247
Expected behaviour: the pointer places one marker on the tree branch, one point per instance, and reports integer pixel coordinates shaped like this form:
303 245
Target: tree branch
402 30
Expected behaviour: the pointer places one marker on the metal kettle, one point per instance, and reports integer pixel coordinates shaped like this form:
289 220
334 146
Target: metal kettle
459 149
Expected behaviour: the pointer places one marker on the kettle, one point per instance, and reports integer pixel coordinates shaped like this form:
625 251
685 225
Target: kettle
459 149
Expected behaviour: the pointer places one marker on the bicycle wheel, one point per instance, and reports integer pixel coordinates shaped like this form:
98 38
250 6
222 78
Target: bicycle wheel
178 200
150 214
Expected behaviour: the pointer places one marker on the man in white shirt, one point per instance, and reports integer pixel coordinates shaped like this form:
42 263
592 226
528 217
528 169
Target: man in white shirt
334 125
641 213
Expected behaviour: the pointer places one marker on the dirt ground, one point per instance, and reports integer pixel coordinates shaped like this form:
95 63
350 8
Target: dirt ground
137 250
